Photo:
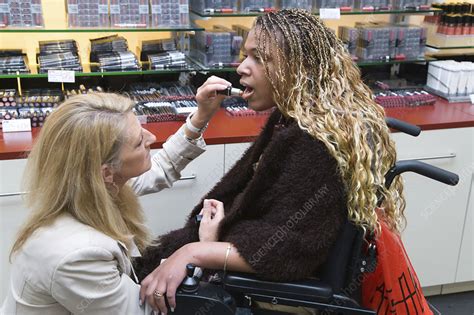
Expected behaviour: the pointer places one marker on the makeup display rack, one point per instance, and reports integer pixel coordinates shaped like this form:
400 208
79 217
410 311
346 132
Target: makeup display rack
157 64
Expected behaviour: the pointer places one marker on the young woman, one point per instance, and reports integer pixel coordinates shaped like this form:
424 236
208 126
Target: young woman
319 161
91 158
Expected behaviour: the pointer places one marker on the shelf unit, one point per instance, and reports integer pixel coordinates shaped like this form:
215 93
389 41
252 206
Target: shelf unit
196 18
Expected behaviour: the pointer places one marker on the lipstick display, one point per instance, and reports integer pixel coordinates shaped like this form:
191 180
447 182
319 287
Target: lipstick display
13 61
59 55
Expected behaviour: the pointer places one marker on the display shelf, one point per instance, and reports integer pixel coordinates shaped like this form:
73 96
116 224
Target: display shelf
453 47
364 63
101 30
194 68
99 74
353 12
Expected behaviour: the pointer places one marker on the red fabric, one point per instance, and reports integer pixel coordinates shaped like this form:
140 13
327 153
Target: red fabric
393 288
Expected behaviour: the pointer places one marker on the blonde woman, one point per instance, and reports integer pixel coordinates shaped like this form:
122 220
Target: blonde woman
73 254
319 161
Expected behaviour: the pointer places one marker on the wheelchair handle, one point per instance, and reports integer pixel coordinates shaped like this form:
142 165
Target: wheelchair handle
403 126
421 168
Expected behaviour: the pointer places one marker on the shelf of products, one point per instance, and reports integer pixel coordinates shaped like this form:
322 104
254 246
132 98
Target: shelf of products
352 12
195 68
101 30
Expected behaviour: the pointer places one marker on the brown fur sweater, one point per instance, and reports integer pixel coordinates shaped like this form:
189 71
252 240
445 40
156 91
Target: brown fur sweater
283 217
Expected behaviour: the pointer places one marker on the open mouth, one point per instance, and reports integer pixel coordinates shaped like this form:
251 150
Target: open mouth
248 92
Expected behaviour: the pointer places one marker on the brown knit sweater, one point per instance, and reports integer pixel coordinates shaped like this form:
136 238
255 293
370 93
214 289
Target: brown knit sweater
282 217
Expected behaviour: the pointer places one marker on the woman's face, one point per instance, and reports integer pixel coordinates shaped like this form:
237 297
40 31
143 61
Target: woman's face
135 152
258 90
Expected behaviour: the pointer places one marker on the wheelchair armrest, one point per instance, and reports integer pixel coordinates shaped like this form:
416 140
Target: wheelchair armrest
310 289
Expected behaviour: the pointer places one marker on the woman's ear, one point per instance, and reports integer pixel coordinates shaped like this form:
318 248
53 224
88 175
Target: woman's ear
107 173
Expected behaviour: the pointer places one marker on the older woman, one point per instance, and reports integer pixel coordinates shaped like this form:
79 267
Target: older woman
73 254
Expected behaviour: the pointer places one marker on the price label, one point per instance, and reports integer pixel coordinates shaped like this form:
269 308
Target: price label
103 9
72 8
156 8
183 8
143 9
330 14
16 125
61 76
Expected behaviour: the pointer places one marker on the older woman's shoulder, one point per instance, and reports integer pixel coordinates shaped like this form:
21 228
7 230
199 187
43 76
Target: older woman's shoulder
49 246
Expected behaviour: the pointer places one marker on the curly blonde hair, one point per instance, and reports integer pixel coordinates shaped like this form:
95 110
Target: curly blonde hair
316 83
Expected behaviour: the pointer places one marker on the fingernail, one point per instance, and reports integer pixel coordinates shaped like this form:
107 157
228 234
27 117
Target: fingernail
140 302
172 309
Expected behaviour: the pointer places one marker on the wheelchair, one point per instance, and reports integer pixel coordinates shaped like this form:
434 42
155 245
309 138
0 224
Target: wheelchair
335 290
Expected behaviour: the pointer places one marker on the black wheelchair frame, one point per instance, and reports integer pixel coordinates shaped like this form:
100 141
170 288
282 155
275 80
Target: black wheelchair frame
337 288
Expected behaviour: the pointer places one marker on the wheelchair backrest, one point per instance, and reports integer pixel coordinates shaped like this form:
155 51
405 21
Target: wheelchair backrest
341 267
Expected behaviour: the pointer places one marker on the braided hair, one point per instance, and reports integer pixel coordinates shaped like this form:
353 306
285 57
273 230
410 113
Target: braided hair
316 83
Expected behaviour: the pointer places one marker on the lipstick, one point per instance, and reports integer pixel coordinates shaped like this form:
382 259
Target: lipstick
230 91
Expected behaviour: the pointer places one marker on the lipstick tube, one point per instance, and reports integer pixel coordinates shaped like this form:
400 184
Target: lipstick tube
230 91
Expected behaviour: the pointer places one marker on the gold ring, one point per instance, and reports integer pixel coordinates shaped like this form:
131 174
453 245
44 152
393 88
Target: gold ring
157 295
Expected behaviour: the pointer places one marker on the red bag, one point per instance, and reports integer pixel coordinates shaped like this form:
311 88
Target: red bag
393 288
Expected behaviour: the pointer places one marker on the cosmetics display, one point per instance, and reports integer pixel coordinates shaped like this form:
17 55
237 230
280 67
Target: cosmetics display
13 61
7 97
82 90
21 13
404 98
35 104
219 47
372 5
300 4
344 5
410 4
257 5
168 101
88 13
214 6
37 116
451 79
457 19
112 54
237 106
169 13
40 98
168 60
129 13
7 114
58 55
383 42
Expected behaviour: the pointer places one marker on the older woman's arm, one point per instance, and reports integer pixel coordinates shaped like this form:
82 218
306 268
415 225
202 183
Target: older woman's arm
168 276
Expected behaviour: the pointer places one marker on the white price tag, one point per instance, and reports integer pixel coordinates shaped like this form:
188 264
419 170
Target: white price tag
103 9
143 9
330 14
156 8
72 8
16 125
472 98
65 76
183 8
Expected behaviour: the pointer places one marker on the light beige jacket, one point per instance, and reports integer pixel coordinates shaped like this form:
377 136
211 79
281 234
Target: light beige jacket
71 268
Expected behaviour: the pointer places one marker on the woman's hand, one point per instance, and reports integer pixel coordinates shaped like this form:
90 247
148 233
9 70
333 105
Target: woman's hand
165 279
208 100
212 215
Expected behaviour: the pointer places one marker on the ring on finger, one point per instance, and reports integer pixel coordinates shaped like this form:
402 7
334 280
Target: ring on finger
157 294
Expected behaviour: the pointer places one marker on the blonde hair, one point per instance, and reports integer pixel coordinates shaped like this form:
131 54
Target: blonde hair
63 173
316 83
